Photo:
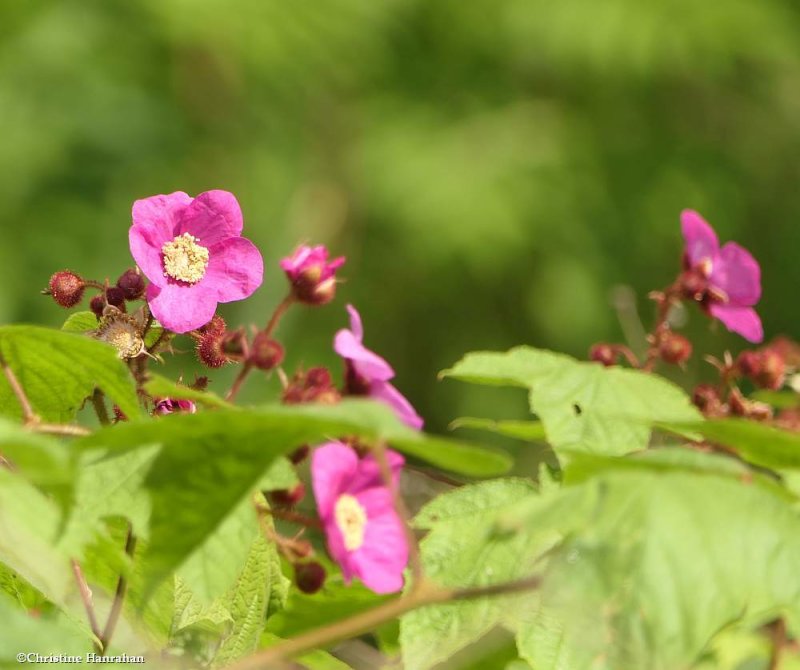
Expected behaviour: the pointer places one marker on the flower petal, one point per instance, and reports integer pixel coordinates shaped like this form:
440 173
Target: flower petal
382 558
355 323
369 473
336 548
737 273
181 308
332 466
742 320
701 240
212 217
155 221
367 363
385 392
235 269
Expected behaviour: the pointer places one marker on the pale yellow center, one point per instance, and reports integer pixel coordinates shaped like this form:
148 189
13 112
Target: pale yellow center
184 259
122 334
351 518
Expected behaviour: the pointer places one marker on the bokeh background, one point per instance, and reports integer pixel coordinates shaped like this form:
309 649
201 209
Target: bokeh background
494 170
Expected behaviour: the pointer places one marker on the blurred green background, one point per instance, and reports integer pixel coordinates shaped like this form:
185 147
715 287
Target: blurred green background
492 169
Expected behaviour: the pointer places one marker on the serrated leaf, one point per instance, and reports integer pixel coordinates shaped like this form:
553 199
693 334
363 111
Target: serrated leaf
25 634
583 406
161 387
80 322
530 431
209 462
59 370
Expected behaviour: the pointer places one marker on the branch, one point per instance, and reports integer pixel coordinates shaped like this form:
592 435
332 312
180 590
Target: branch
86 597
66 429
425 593
28 415
119 596
100 407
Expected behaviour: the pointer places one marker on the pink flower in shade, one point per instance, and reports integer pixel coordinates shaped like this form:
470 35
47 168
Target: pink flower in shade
729 277
192 251
364 534
312 277
368 374
170 406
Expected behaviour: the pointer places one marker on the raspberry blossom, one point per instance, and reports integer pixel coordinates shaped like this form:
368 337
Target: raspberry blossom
369 374
192 252
726 280
312 277
171 406
364 534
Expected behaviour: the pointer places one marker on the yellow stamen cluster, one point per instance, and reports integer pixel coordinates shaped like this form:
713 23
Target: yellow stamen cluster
184 259
122 331
351 518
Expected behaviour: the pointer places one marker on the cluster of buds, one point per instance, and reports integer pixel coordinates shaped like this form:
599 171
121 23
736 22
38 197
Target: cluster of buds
67 288
711 402
216 346
314 385
765 367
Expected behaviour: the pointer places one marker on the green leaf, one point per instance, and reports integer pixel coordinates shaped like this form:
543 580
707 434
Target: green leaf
209 462
59 370
161 387
583 406
530 431
778 399
312 660
465 547
755 442
80 322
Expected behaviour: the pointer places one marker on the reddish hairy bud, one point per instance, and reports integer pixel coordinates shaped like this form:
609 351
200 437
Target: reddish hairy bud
288 497
132 285
266 353
66 288
115 296
773 370
316 385
97 305
209 351
309 577
749 363
603 353
674 348
216 325
693 285
706 398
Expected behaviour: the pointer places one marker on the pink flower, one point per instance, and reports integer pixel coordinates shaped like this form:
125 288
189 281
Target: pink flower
170 406
369 374
728 277
312 277
193 253
364 534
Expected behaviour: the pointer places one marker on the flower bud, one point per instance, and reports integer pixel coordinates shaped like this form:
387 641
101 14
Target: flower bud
66 288
170 406
209 350
266 353
288 497
116 297
749 363
216 325
233 344
674 348
309 577
311 275
300 454
693 285
97 305
131 283
706 398
316 385
773 370
603 353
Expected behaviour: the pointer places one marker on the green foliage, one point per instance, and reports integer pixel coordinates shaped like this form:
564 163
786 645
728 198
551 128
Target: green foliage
529 431
161 387
583 406
58 371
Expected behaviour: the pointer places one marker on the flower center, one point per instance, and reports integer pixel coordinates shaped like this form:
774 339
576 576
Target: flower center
184 259
351 518
120 330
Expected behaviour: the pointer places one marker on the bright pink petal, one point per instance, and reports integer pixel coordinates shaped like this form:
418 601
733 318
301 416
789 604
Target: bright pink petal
742 320
181 308
385 392
355 322
701 240
369 473
235 269
336 548
212 217
381 560
294 263
366 363
737 273
155 220
333 464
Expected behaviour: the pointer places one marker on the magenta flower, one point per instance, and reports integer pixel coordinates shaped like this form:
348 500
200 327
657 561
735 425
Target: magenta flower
368 374
312 277
170 406
193 253
364 534
729 277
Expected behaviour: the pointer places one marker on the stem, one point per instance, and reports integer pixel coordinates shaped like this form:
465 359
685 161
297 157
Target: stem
100 407
119 596
86 597
425 593
280 310
237 383
778 635
665 301
402 511
28 414
68 430
291 516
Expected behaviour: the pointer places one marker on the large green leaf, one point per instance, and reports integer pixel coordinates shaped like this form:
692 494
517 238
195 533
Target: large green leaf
530 431
583 406
59 370
209 462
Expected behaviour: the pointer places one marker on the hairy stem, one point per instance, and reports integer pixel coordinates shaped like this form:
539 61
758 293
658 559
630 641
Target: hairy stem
119 596
28 415
237 383
99 403
86 597
277 315
426 593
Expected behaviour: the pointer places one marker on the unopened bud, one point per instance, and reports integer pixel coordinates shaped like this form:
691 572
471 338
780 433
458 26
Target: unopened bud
233 344
116 297
773 370
66 288
674 348
288 497
266 353
309 577
299 455
97 305
209 351
706 398
131 283
603 353
216 325
749 363
693 285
